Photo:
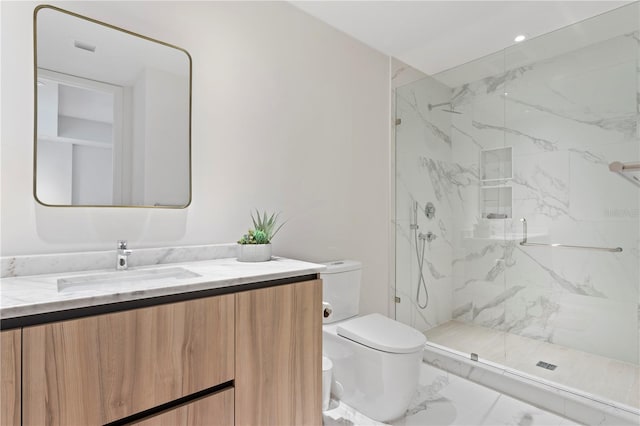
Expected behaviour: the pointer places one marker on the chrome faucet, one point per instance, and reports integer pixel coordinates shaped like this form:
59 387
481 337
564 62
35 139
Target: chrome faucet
122 256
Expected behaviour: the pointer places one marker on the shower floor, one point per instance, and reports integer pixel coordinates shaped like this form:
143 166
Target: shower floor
605 377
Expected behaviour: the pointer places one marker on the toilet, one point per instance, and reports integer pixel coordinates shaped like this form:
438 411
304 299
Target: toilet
376 360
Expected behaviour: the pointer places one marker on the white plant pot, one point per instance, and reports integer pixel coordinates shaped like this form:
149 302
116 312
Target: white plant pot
254 252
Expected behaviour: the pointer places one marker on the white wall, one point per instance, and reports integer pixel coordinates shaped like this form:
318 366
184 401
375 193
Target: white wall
165 145
133 154
92 176
55 178
288 115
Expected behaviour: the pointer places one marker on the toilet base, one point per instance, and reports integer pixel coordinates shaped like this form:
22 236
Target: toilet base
379 384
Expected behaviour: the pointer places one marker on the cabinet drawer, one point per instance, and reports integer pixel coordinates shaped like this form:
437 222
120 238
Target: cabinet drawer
10 378
211 410
99 369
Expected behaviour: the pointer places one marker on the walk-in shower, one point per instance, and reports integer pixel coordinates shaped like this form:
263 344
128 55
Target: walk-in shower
537 260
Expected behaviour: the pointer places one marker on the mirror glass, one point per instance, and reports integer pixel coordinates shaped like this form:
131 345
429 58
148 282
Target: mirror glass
113 115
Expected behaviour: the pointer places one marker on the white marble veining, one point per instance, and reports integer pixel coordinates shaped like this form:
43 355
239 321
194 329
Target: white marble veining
546 391
445 399
15 266
36 294
425 174
564 119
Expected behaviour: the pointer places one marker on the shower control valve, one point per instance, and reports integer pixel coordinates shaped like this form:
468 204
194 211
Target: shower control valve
429 236
430 210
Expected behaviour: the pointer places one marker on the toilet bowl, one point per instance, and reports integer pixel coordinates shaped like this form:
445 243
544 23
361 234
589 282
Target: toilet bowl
327 366
376 360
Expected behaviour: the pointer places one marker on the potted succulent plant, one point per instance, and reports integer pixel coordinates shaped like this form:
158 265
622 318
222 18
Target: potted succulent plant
255 246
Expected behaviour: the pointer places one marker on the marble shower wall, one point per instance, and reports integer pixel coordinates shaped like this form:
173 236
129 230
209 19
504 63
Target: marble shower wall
424 173
565 119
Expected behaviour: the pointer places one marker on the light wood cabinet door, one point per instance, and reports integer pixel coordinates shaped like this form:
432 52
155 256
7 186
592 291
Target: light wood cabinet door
211 410
279 355
10 377
99 369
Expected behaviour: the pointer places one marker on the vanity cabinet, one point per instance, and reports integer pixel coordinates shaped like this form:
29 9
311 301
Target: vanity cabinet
279 355
10 378
250 356
99 369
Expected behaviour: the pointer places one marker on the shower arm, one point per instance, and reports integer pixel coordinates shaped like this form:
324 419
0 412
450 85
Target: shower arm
524 242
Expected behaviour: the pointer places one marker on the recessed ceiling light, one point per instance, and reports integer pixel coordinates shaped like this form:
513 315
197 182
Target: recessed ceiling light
519 38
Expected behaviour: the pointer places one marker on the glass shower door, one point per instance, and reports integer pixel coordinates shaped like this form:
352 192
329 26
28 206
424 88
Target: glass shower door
424 204
446 246
571 110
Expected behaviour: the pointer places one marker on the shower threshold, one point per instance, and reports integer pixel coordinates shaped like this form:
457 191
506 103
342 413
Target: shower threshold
608 378
572 403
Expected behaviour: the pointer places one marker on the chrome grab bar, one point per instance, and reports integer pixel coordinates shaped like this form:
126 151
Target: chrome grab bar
524 242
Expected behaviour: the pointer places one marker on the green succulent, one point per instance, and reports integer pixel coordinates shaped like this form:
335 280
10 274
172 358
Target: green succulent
260 237
247 238
264 229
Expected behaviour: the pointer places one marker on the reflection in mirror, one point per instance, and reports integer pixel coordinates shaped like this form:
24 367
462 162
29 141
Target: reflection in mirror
113 113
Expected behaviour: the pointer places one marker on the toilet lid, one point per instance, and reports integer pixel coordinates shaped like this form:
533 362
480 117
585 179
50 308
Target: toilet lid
379 332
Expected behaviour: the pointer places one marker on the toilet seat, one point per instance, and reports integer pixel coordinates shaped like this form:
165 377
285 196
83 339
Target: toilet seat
381 333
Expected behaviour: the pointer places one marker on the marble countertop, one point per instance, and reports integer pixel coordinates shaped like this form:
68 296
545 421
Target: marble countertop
38 294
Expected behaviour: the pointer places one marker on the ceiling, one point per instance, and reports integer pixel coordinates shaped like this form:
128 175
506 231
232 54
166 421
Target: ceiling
434 36
118 57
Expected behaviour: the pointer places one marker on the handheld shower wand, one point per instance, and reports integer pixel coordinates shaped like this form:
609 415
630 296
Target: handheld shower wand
414 217
420 254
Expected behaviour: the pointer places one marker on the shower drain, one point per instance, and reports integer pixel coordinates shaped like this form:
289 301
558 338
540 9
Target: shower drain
546 365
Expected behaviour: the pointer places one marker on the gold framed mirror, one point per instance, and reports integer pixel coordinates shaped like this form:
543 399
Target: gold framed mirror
112 116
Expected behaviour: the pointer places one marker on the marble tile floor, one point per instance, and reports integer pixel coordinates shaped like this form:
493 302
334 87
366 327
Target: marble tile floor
446 399
605 377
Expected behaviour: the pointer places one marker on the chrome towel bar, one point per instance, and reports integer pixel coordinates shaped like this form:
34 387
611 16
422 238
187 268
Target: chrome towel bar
524 242
618 167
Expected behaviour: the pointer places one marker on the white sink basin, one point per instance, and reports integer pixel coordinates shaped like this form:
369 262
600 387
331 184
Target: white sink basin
121 278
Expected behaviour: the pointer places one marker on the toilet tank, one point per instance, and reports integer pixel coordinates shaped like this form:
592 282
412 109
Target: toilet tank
341 289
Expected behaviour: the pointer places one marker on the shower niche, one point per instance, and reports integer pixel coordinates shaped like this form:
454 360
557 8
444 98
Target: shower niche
496 172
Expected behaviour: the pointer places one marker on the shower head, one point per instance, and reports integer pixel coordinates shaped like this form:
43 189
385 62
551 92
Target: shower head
451 110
